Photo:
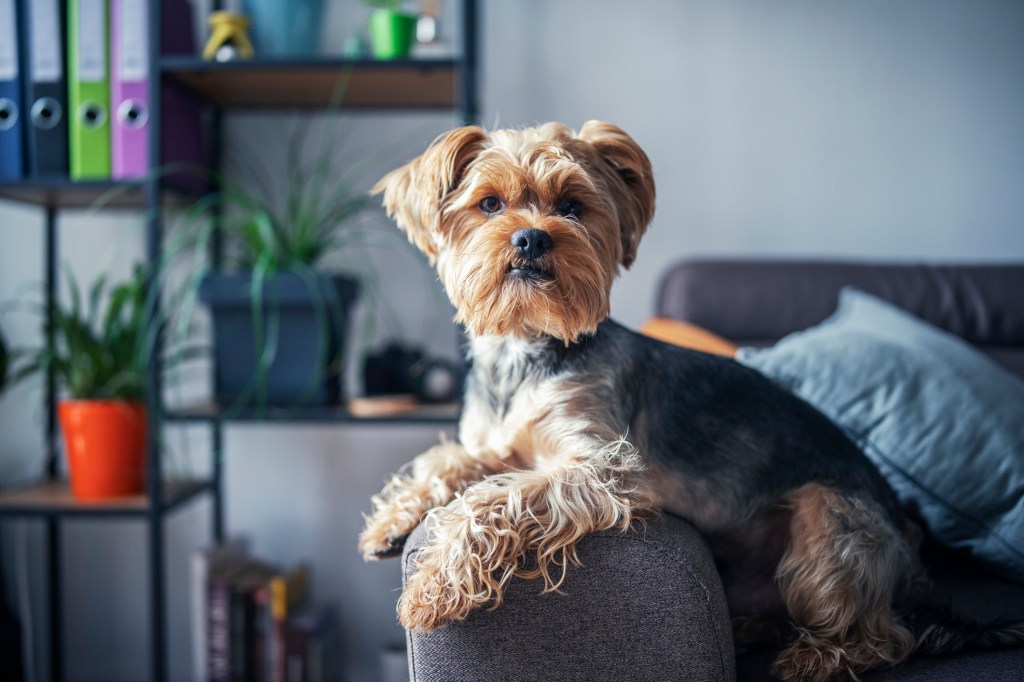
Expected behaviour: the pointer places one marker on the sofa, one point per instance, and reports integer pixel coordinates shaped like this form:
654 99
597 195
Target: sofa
648 604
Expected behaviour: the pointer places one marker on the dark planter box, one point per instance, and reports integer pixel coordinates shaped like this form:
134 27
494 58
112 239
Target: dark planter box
310 319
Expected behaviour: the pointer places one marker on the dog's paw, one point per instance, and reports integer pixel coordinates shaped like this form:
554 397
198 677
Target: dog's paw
381 540
803 661
428 602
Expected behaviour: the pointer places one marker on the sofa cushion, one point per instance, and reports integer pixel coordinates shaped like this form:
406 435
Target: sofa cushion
944 424
687 335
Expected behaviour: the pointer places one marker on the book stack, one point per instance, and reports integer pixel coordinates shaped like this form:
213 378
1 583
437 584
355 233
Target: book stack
254 622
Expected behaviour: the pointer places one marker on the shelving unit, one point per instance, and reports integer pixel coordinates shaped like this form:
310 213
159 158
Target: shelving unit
430 84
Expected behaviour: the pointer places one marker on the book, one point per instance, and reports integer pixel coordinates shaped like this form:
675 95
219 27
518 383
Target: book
207 561
244 586
287 593
218 629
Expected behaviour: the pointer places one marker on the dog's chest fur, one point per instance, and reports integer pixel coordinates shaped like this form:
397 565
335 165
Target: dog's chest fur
522 407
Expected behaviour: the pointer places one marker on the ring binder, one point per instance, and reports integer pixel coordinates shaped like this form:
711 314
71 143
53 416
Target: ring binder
11 148
46 138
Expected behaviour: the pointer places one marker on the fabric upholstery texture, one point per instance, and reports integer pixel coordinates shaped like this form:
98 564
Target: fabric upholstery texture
645 605
944 424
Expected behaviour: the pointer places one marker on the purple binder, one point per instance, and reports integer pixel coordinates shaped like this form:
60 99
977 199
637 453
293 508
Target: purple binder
181 137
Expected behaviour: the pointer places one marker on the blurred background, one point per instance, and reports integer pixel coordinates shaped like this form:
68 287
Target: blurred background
870 129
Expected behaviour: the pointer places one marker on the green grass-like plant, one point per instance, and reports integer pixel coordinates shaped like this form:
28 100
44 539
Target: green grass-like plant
99 349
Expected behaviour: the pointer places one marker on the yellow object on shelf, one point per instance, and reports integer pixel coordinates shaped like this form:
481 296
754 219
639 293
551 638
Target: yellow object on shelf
227 29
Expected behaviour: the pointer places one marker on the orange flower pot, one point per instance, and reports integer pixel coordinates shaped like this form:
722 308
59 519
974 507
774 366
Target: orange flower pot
106 446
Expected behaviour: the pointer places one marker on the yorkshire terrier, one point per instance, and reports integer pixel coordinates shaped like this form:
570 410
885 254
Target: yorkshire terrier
574 424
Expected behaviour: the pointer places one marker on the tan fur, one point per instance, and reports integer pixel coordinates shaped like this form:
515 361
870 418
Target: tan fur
523 523
433 479
435 198
838 580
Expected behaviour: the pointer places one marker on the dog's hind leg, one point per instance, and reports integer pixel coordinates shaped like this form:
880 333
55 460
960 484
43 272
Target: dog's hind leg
429 481
838 578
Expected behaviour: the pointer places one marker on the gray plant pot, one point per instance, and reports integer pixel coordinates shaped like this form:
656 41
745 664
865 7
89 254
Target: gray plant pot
309 318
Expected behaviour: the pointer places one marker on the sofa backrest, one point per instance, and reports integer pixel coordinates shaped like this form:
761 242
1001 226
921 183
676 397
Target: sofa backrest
757 302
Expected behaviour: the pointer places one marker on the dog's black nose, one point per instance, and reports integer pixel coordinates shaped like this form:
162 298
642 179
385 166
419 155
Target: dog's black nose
532 244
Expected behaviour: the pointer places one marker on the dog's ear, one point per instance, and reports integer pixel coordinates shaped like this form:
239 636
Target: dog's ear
635 192
413 194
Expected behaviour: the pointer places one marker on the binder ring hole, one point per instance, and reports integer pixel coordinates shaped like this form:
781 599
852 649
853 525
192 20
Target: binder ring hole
46 113
8 114
132 114
92 115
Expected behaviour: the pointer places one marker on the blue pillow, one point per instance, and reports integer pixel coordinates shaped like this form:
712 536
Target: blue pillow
944 424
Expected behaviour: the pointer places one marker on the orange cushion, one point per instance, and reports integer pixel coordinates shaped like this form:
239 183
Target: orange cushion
687 335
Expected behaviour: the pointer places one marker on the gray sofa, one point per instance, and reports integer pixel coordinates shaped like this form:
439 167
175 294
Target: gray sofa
648 604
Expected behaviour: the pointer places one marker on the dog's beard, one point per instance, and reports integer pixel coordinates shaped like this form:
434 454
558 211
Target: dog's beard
563 294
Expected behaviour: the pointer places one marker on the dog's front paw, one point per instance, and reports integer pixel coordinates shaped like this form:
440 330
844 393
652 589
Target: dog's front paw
382 538
390 547
456 571
429 601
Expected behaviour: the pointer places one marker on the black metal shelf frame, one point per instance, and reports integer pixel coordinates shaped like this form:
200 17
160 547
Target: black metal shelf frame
55 195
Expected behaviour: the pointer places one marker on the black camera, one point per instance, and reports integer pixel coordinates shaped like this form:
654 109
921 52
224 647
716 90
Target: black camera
405 370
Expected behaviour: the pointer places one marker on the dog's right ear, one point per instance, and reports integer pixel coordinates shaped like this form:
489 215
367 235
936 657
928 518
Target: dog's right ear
414 193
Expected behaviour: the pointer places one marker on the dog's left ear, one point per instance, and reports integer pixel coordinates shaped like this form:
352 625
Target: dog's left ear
635 191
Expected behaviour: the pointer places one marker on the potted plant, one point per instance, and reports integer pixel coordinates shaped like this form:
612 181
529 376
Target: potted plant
391 30
98 358
280 322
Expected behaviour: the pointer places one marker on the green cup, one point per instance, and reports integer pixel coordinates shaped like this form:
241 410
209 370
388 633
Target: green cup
391 34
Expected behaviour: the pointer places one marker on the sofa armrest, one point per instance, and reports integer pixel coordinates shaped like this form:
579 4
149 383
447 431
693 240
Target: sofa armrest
645 604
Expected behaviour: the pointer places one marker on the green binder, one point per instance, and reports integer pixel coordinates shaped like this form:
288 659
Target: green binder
88 89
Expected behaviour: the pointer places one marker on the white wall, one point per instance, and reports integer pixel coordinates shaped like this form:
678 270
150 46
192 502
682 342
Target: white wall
869 129
849 129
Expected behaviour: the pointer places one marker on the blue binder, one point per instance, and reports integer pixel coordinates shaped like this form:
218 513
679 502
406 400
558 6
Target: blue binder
12 157
46 94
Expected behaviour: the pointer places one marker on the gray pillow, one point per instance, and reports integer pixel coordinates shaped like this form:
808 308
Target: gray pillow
944 424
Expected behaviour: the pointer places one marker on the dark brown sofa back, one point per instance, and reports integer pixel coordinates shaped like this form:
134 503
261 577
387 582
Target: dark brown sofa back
753 302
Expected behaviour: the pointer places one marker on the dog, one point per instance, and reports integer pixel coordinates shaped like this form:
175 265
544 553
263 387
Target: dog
574 424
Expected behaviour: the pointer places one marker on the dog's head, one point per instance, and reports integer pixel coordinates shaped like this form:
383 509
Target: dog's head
527 228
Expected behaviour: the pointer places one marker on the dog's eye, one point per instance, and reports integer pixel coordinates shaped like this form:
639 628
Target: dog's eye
569 208
491 205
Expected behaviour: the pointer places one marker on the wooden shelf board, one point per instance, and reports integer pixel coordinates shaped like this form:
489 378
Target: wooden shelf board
417 84
424 414
62 193
55 498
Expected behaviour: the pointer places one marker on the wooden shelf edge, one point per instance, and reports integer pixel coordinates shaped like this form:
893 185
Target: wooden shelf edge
63 193
54 498
401 84
211 412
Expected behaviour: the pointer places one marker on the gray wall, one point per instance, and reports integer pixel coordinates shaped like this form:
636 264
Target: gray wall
871 129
